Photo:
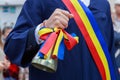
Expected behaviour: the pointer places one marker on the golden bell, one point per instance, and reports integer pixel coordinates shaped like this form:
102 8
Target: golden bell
48 65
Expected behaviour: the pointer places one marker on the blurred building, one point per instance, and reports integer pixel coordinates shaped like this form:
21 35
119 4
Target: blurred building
9 11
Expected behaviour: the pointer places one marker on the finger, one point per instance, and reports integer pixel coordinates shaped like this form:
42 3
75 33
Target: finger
59 20
59 24
66 13
4 63
57 12
64 22
1 65
64 17
6 66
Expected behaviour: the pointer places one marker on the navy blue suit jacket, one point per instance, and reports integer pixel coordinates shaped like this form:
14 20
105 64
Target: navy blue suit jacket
78 64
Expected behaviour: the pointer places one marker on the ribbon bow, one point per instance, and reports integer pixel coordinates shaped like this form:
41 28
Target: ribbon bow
55 42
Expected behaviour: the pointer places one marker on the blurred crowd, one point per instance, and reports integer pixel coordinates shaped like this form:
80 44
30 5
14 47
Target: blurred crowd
9 71
116 26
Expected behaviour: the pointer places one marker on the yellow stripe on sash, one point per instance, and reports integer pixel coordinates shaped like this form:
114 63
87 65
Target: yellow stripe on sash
94 39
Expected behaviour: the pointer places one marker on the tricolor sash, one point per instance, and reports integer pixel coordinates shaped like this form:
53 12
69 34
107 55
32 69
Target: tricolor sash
93 37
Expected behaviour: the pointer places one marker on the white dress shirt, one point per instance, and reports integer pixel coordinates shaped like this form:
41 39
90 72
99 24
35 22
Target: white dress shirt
86 2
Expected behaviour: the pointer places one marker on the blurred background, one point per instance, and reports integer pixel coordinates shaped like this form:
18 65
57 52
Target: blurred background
10 9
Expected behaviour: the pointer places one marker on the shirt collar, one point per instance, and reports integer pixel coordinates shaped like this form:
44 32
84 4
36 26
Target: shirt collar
86 2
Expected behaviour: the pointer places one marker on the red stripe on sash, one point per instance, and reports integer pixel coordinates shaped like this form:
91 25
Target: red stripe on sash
87 38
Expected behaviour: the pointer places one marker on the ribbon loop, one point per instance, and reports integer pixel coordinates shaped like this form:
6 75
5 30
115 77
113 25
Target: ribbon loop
55 42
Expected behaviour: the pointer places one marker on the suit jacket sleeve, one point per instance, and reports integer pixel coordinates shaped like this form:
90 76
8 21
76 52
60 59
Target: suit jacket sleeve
21 45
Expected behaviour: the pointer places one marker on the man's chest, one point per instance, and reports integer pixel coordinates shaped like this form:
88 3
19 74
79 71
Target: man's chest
51 6
94 5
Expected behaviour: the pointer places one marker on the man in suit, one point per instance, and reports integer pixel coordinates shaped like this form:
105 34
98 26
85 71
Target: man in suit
23 42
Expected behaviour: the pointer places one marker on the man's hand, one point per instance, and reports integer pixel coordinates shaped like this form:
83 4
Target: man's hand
59 18
6 63
2 65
